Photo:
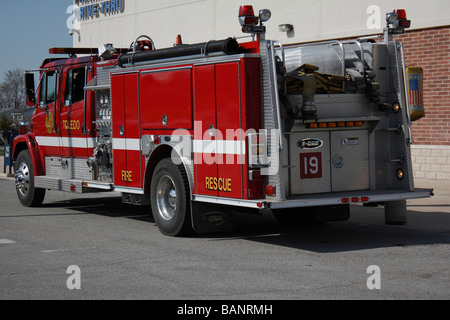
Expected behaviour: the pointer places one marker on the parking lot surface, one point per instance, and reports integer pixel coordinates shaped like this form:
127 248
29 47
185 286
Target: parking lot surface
115 251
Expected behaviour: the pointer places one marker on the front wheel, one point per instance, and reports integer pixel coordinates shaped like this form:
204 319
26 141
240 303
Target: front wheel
28 195
170 199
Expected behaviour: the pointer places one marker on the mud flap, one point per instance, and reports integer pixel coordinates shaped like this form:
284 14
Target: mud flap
332 213
211 218
395 212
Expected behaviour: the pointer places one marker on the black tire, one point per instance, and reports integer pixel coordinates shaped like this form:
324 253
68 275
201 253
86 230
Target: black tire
170 199
28 195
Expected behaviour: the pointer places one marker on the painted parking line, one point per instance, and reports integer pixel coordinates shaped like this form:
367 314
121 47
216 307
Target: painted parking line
72 249
6 241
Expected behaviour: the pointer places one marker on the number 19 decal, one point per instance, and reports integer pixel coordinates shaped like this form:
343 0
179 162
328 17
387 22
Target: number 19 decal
311 165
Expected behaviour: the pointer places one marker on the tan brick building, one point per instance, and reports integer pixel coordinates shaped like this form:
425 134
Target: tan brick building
430 49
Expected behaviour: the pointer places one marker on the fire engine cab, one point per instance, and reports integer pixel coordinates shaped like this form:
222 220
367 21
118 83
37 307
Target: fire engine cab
199 131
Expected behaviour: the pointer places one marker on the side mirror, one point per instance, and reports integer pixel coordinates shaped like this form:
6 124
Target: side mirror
30 89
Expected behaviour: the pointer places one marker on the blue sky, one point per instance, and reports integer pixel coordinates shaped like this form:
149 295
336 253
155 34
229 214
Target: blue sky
28 28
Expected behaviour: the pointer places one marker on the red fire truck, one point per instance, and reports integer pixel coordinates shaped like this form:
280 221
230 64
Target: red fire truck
200 131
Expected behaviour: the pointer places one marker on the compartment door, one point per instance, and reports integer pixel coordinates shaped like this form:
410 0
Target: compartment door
231 149
310 164
126 130
350 160
205 158
219 143
166 102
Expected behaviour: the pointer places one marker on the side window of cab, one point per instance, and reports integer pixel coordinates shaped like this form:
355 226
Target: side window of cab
48 89
75 82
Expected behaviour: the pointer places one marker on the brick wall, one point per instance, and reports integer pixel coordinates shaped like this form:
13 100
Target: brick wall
431 162
430 49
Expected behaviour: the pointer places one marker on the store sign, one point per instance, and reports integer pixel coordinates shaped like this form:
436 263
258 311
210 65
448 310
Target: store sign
90 9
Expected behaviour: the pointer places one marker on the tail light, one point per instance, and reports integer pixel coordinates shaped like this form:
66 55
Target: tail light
269 190
355 200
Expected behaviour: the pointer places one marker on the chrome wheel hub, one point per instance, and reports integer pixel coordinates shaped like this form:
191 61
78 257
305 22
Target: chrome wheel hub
166 198
23 179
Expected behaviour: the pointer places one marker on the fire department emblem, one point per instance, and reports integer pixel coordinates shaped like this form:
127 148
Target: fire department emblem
49 122
338 161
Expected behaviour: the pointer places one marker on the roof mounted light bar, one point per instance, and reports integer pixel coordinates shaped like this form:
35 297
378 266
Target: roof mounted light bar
397 21
249 21
75 51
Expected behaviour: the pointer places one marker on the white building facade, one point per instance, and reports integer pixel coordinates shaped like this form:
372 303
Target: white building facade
121 21
427 43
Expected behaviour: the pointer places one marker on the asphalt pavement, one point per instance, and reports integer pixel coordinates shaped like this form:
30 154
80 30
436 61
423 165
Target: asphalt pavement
95 247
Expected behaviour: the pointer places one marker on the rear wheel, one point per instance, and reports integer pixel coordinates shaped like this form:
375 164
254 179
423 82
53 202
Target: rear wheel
170 199
28 195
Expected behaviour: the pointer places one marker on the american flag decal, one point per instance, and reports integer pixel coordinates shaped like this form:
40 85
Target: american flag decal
415 92
415 85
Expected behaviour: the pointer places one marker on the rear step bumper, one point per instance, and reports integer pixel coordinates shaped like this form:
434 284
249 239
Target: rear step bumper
323 199
364 196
